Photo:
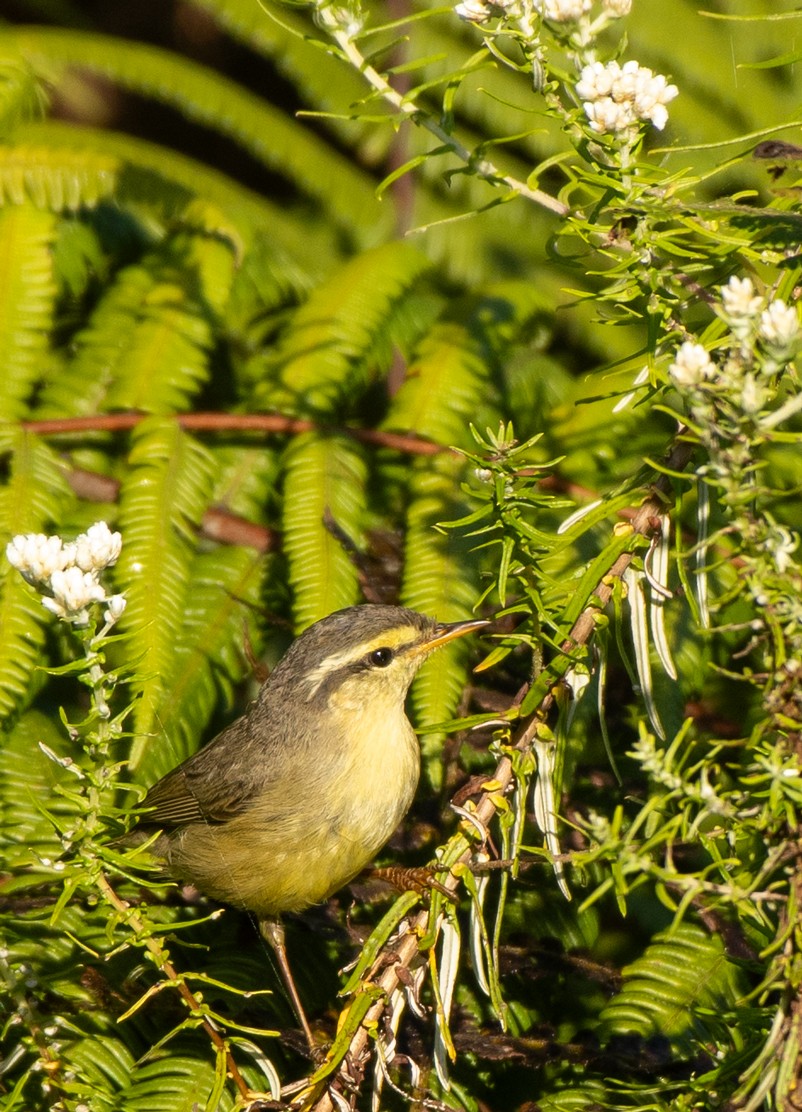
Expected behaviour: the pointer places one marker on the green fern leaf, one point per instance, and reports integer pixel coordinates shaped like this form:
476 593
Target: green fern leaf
64 168
451 380
27 777
268 283
210 653
268 133
103 1065
22 622
337 338
53 179
162 499
148 342
32 498
21 94
679 988
27 302
245 479
441 578
321 78
177 1084
324 477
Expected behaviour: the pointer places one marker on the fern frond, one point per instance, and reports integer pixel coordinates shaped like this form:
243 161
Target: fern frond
103 1065
21 94
63 168
31 499
324 477
210 653
337 338
203 95
27 302
162 499
322 79
176 1085
27 776
441 578
148 342
269 283
452 378
680 987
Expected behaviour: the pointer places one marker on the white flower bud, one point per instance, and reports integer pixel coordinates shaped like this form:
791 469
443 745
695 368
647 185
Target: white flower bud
617 8
35 556
97 548
73 592
474 11
779 326
116 606
752 394
739 299
781 544
692 366
596 80
563 11
652 94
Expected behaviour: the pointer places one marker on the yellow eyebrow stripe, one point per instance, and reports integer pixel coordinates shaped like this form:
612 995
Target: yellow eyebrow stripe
390 639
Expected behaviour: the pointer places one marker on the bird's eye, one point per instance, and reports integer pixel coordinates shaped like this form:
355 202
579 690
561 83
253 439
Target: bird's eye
381 658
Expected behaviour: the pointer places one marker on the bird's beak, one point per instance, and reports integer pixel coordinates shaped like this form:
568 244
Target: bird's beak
449 632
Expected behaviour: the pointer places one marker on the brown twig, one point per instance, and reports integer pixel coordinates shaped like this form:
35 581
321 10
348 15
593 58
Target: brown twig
217 524
406 950
264 423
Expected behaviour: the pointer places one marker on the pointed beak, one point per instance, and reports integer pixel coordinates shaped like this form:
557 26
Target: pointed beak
445 632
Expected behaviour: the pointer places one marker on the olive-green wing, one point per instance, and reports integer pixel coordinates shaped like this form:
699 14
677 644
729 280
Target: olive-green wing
206 788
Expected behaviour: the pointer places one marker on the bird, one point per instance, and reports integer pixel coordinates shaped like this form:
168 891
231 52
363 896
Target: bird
291 801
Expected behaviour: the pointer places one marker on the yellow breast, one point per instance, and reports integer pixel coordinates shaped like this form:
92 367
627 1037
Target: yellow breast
307 836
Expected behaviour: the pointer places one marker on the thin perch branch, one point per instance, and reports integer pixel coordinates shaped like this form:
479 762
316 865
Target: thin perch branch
407 108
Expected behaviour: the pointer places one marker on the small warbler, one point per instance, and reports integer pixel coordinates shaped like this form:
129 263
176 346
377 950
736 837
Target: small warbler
295 798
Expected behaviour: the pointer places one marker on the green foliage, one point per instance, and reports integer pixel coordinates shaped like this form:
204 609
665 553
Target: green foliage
324 483
27 295
286 405
682 987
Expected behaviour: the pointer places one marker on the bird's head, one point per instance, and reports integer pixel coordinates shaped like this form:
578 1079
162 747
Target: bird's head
362 653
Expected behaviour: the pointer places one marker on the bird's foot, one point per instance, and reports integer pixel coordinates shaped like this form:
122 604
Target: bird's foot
421 880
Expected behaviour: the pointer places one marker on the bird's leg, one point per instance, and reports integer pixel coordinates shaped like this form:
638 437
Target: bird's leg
272 930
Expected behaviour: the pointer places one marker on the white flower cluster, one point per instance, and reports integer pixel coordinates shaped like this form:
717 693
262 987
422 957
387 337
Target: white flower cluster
618 98
563 11
774 324
69 573
555 11
765 336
